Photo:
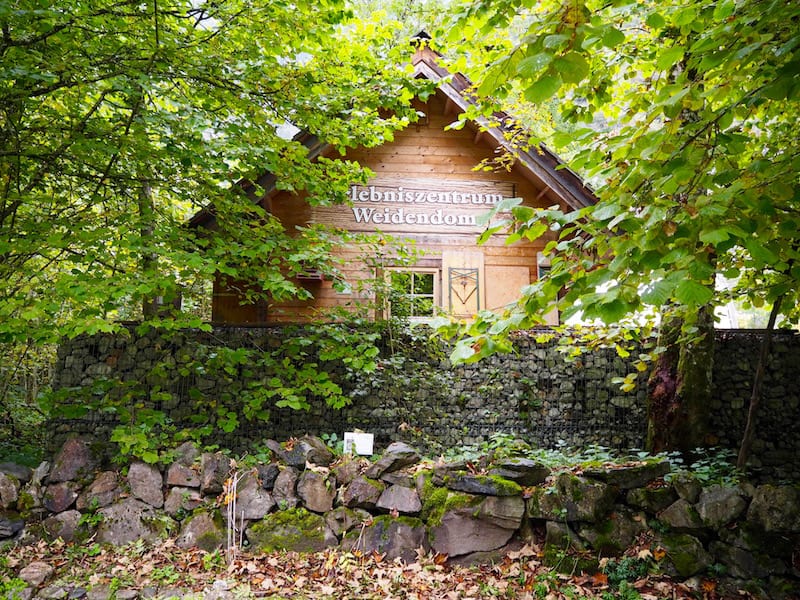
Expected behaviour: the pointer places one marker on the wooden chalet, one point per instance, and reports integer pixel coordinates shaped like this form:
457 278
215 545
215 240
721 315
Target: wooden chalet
426 188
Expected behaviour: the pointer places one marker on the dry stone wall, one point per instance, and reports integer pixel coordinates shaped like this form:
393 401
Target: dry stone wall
303 498
417 396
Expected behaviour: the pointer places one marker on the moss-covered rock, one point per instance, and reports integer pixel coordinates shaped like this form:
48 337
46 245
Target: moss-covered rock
295 529
342 519
612 536
776 508
76 461
653 500
682 516
202 530
744 564
439 501
460 533
486 485
69 526
629 476
363 492
398 537
687 486
685 554
130 520
572 499
565 552
752 537
9 490
524 471
503 511
11 523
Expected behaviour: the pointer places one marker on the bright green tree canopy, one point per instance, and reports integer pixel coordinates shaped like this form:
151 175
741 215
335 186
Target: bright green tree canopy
684 113
118 120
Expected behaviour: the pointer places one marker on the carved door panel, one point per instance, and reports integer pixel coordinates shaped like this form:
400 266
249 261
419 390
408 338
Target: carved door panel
463 283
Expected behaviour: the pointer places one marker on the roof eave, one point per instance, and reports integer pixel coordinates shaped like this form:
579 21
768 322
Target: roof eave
540 162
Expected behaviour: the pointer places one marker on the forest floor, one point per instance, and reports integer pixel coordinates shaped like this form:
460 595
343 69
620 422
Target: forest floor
95 572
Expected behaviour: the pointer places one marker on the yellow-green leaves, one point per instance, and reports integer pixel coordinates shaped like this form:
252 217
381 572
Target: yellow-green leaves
543 88
529 66
692 109
669 58
572 67
93 116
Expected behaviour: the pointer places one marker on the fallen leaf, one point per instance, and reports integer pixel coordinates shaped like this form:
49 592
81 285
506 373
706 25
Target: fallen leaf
709 586
525 552
599 579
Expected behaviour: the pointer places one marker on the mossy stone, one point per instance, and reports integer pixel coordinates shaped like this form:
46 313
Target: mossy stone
441 501
569 562
685 553
397 537
295 529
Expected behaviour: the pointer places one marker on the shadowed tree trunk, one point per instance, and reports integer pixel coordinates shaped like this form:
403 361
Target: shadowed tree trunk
148 260
679 388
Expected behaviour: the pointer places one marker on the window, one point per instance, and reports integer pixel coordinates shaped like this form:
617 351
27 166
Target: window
413 294
542 271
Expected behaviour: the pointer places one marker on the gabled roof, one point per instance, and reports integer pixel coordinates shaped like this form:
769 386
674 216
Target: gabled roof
540 165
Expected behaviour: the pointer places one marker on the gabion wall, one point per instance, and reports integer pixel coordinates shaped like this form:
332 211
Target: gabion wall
777 443
417 396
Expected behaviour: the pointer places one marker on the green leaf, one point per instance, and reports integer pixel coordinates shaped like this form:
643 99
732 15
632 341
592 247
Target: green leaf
760 253
655 21
714 236
535 231
659 292
542 89
612 312
605 211
150 457
507 204
572 67
691 293
555 40
724 9
462 352
531 65
669 58
613 37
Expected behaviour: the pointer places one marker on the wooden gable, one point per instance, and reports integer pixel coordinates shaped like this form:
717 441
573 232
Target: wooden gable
426 188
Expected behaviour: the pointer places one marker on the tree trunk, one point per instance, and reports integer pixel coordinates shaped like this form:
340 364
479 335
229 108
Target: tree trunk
148 259
679 388
662 387
758 380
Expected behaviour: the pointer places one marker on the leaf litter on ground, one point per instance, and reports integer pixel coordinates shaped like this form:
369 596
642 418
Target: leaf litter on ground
333 573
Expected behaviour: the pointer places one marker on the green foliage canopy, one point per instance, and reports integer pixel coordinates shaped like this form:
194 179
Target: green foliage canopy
685 115
118 120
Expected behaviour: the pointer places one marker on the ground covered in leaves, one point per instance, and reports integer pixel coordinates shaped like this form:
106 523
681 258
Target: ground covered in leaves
166 571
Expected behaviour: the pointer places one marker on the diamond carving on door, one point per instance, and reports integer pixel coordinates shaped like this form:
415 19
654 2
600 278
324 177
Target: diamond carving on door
464 290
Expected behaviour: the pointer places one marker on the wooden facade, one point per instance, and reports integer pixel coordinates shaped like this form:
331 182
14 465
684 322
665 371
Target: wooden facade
426 188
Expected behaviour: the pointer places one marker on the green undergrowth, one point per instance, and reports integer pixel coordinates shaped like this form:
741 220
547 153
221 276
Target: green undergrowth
708 465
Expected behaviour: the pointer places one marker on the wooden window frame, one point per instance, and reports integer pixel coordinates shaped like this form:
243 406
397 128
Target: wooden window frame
436 296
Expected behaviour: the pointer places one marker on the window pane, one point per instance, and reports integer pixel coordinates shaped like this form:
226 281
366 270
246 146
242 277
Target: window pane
411 293
401 282
423 283
401 306
423 307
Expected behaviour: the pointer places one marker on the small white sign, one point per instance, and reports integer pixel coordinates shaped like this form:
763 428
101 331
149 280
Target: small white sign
358 443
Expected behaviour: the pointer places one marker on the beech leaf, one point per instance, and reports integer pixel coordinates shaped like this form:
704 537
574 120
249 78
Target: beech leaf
543 88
